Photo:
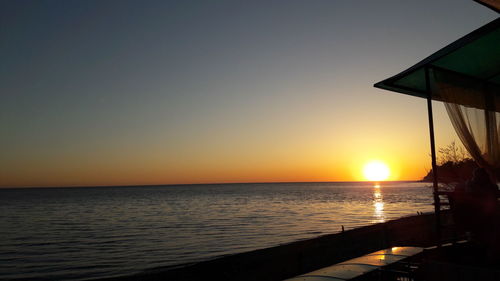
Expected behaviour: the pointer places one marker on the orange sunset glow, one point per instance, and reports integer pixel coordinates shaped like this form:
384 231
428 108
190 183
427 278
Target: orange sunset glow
249 140
376 171
202 104
243 156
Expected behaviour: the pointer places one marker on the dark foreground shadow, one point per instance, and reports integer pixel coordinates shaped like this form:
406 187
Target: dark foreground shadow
285 261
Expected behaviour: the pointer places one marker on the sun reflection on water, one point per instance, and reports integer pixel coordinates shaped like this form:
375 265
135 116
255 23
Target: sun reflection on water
378 204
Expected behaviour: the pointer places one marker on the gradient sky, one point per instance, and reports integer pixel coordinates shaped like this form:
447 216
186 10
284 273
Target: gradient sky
165 92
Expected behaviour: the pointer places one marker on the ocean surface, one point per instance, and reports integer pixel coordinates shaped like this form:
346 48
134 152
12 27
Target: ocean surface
92 232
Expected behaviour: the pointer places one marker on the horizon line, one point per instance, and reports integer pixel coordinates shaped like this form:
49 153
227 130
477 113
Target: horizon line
207 183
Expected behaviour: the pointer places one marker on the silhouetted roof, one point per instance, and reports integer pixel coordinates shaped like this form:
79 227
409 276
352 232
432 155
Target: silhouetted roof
492 4
475 56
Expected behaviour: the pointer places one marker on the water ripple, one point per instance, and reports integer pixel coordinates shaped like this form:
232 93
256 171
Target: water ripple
81 233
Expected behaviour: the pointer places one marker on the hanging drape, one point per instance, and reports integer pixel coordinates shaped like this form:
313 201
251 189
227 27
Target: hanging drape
474 111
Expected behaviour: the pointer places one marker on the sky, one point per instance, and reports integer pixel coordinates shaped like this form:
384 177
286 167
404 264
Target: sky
176 92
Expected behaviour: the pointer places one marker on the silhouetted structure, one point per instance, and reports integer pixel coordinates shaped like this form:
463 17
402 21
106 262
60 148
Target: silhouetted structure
465 76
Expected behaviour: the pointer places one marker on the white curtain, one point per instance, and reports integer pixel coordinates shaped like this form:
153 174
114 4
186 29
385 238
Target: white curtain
473 108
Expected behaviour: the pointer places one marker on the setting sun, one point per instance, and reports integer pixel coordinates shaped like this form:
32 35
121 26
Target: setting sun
376 171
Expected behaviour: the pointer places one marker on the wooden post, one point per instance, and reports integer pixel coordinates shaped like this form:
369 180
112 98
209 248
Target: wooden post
437 203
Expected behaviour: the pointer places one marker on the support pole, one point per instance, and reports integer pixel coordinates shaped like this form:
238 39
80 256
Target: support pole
437 203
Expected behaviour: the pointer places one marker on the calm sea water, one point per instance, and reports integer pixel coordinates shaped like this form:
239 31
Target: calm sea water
85 233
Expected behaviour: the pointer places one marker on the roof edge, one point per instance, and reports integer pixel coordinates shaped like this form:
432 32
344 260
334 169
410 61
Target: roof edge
387 84
494 8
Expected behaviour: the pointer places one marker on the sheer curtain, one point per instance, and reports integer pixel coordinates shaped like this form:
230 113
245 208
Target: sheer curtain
473 108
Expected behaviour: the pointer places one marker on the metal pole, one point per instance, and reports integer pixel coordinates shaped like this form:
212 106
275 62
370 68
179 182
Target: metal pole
437 203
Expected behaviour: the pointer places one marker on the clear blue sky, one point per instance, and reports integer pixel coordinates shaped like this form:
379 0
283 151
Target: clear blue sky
148 92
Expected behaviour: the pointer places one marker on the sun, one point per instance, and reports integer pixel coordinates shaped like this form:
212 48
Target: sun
376 171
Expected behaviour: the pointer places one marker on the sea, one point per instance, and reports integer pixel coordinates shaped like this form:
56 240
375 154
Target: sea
87 233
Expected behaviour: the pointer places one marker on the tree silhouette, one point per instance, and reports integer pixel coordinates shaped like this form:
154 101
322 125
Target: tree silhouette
454 165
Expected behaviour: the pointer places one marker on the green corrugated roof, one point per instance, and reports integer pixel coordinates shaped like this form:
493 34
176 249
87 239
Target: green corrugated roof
475 56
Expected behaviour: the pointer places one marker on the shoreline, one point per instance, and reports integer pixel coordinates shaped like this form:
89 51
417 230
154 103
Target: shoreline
295 258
